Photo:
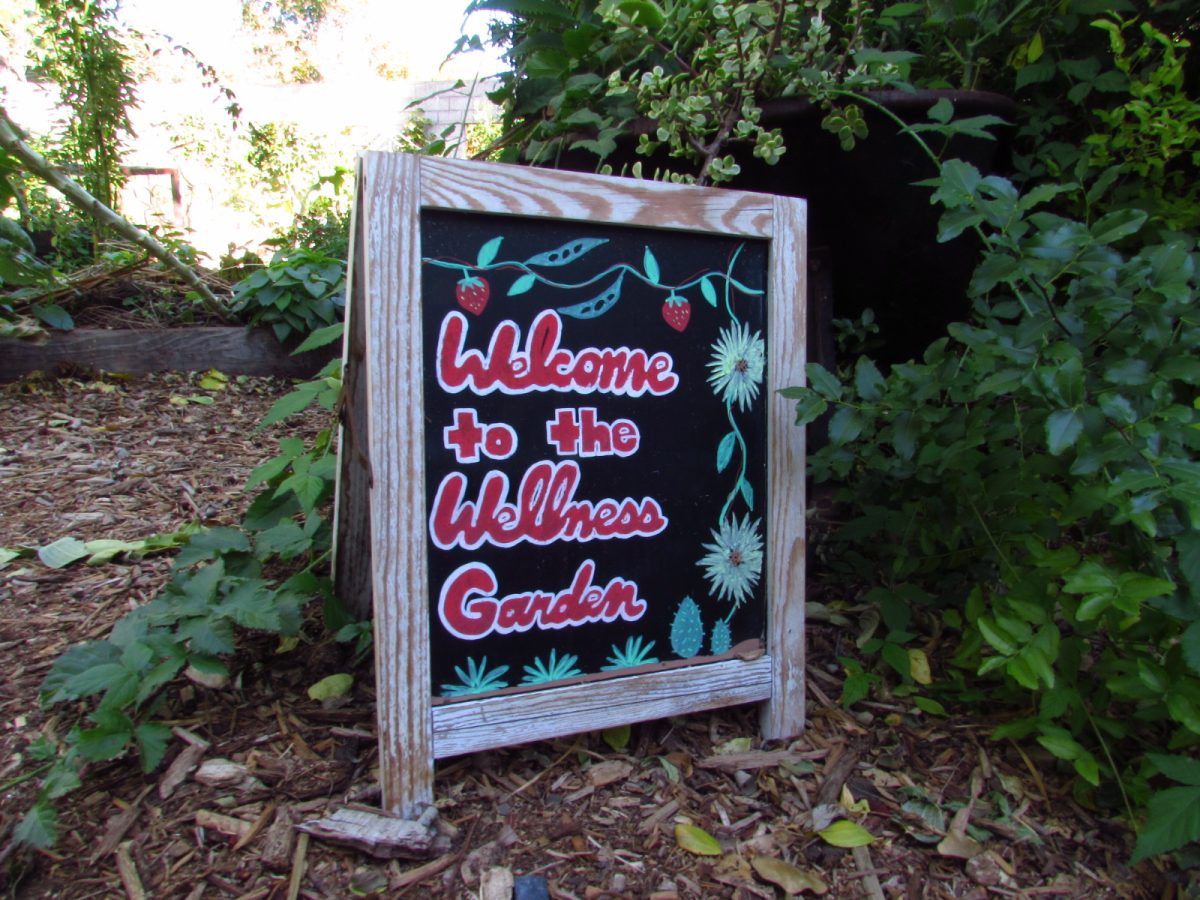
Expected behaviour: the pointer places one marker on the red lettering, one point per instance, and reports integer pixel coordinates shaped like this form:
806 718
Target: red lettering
469 609
544 366
544 510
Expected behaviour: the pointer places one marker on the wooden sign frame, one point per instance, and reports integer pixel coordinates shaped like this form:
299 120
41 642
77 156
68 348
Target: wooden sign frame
381 517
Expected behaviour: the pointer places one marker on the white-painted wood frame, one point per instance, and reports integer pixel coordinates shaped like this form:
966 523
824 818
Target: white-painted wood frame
393 190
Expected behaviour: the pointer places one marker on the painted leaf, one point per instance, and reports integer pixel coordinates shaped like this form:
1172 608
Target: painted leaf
333 686
696 840
522 284
792 879
567 253
725 450
687 629
747 492
651 265
487 253
845 833
598 305
62 552
708 292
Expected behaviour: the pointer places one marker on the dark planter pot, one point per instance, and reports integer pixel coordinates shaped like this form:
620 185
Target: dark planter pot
872 233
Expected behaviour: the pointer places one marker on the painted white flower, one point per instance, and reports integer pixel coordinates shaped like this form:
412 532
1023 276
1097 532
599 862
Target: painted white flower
736 368
734 563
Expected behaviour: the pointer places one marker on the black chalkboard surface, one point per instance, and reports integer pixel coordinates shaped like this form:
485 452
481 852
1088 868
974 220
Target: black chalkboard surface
595 448
570 491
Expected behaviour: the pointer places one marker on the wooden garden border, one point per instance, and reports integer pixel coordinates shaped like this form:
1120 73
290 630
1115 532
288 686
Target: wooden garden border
381 518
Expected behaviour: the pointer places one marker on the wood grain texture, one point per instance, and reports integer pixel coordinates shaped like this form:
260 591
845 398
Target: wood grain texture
396 451
232 350
352 507
783 714
525 191
472 725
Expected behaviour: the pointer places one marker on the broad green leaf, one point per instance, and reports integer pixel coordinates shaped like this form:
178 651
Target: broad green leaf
62 552
320 337
696 840
331 686
999 639
102 551
617 738
810 406
845 425
1061 744
844 833
53 315
152 739
867 380
39 827
708 292
823 381
942 111
1172 820
1063 428
929 705
1119 224
1183 769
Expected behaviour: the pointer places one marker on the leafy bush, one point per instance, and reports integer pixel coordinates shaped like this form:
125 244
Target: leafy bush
1030 488
301 291
221 584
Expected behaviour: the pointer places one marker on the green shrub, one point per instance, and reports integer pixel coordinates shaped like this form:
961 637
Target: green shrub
301 291
1030 487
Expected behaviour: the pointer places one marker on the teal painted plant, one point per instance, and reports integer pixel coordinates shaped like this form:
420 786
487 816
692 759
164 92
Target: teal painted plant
556 668
476 679
635 653
687 629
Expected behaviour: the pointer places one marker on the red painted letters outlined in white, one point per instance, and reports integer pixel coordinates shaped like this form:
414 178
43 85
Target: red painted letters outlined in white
469 608
545 510
579 432
467 437
544 366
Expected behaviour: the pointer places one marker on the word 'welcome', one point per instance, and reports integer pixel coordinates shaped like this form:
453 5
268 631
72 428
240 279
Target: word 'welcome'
545 366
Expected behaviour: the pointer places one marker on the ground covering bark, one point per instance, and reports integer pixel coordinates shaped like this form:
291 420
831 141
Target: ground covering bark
952 813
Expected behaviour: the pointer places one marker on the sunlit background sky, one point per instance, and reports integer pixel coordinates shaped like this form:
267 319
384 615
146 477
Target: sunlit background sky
422 32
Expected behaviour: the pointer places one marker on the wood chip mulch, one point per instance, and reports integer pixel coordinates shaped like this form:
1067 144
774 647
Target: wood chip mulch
952 813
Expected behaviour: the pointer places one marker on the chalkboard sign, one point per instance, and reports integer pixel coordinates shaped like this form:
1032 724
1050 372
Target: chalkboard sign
568 481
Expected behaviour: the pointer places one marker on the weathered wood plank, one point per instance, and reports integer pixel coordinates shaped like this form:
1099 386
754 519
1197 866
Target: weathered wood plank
395 440
472 725
783 714
352 504
234 351
525 191
381 836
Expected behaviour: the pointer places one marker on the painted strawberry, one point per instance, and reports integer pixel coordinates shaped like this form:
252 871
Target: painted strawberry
472 294
677 312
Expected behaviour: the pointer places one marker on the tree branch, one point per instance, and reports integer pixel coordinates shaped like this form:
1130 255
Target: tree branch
11 140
